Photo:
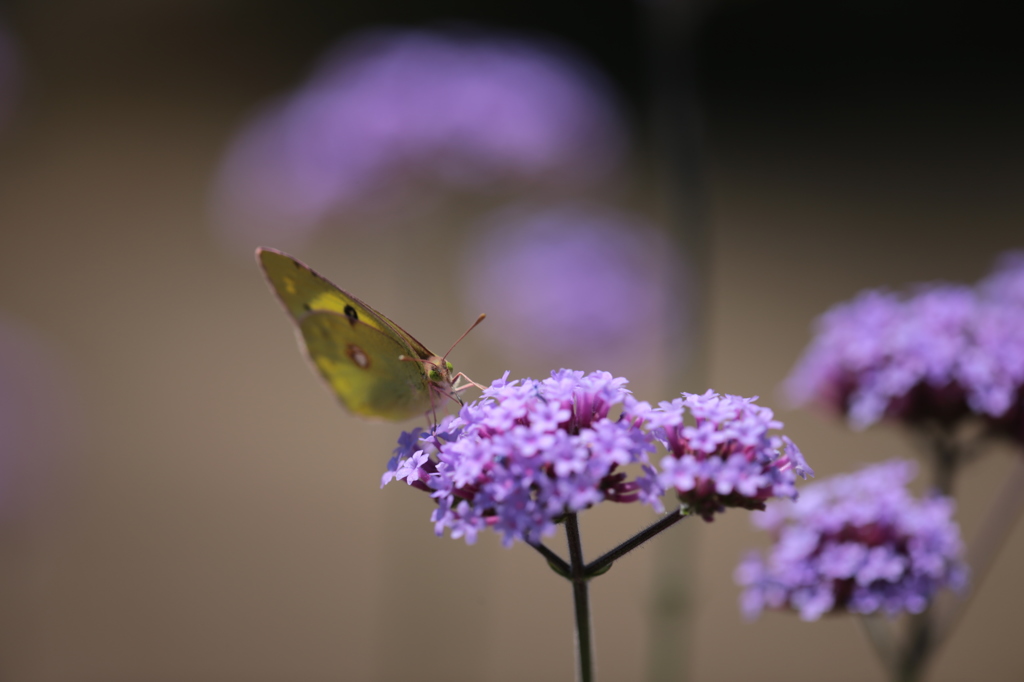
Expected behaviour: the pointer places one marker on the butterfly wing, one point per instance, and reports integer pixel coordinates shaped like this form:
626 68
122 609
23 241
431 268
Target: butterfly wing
302 291
361 363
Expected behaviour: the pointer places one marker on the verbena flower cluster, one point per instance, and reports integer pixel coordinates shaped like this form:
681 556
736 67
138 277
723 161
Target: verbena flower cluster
858 542
942 351
726 457
390 109
528 452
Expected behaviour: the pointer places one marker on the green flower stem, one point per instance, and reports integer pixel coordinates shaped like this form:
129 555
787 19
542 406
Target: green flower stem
603 562
581 599
916 649
1000 519
578 572
945 463
921 640
879 632
557 563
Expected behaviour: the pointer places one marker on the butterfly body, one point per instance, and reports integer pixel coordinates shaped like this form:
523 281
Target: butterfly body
375 367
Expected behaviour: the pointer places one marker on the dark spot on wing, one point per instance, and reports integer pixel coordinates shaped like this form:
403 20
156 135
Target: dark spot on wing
360 358
351 313
306 306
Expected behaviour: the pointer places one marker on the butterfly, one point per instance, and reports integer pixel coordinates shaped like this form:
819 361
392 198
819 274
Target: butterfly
376 368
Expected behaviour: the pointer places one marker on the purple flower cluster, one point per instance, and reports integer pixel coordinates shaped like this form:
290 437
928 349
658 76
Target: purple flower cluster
724 456
941 352
540 266
858 543
528 452
390 109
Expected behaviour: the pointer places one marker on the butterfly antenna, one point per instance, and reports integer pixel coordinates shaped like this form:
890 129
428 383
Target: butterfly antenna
471 327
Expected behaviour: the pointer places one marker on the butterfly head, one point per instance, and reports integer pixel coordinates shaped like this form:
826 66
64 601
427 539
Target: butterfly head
439 371
441 375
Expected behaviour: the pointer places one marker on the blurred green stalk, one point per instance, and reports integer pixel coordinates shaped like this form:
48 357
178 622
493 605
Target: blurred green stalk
676 143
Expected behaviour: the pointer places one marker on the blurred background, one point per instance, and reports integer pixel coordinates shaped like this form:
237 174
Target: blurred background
181 500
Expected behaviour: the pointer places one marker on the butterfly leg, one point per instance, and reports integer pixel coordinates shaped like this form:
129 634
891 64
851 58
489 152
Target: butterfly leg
461 375
433 415
439 391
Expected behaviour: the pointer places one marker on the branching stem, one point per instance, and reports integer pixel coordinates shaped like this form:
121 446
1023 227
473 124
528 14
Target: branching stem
581 600
599 564
579 573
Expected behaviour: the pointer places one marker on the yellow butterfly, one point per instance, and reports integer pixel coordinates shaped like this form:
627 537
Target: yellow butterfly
375 367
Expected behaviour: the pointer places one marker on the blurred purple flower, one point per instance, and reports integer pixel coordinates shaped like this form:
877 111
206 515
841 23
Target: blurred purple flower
573 283
942 352
388 109
724 456
528 452
859 543
1006 281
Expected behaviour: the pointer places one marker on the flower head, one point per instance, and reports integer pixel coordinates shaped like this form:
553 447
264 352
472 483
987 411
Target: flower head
541 266
940 352
527 453
389 110
858 543
720 453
